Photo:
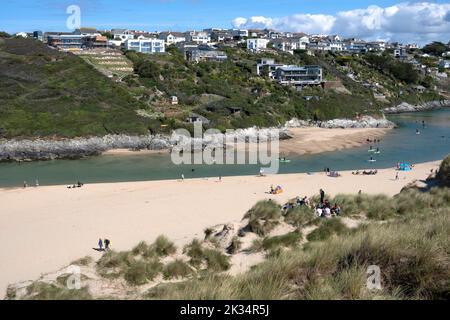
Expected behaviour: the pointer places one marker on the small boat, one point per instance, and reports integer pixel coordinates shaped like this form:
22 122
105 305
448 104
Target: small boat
284 160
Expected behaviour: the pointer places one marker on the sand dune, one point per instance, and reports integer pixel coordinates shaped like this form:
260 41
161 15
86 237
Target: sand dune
45 228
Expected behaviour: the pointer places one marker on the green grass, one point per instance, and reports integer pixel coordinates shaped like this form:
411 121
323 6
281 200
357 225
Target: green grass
412 253
163 246
44 92
326 229
214 260
176 269
263 217
44 291
291 239
300 216
140 272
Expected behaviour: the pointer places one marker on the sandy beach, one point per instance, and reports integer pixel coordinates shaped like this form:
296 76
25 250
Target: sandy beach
304 141
318 140
43 229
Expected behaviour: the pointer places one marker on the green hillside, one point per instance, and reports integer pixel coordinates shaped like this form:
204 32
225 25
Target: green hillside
48 93
44 92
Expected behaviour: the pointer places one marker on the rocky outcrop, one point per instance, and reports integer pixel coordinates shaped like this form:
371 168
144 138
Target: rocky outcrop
47 149
427 106
364 122
41 149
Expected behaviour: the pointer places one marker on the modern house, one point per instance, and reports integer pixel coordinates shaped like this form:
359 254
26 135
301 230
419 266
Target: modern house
203 53
172 37
38 35
376 46
290 44
239 33
400 53
67 42
299 76
149 46
355 46
267 67
257 44
199 37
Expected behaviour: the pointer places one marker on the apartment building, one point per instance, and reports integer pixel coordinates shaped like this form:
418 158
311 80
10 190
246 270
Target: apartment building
148 46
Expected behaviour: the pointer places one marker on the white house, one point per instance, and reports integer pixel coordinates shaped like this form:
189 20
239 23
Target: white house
172 37
199 37
122 35
149 46
22 34
290 44
241 33
257 44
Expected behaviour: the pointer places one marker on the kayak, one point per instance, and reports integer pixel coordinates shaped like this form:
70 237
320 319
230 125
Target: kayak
284 161
373 160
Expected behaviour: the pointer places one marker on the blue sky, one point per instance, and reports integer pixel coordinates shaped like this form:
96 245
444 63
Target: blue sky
152 15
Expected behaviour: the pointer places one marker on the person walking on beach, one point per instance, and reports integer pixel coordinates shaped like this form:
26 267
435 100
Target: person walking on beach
37 183
322 195
25 184
396 176
107 244
100 245
182 177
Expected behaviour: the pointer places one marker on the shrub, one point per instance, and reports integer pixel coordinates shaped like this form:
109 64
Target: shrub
176 269
140 272
288 240
327 229
216 260
444 172
163 246
300 216
263 217
45 291
194 251
113 264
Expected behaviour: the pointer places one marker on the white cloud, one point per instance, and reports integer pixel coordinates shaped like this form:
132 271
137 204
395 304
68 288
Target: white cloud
409 21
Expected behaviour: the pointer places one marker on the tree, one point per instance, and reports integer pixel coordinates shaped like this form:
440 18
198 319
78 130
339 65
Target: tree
436 48
4 34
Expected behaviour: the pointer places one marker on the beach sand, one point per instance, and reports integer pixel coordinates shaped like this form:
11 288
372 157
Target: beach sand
318 140
304 141
43 229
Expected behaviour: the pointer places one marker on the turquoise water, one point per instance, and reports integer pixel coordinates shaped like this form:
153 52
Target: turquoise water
400 145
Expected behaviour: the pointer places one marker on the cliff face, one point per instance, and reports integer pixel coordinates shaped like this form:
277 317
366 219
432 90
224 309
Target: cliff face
406 107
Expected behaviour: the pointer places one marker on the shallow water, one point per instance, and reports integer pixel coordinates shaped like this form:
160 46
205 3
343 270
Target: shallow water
399 145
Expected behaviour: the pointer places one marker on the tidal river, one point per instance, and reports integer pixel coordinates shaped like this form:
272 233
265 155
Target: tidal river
399 145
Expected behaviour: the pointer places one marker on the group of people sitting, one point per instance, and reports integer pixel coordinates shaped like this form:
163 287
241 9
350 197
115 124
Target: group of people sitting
366 173
77 185
299 201
325 210
333 174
